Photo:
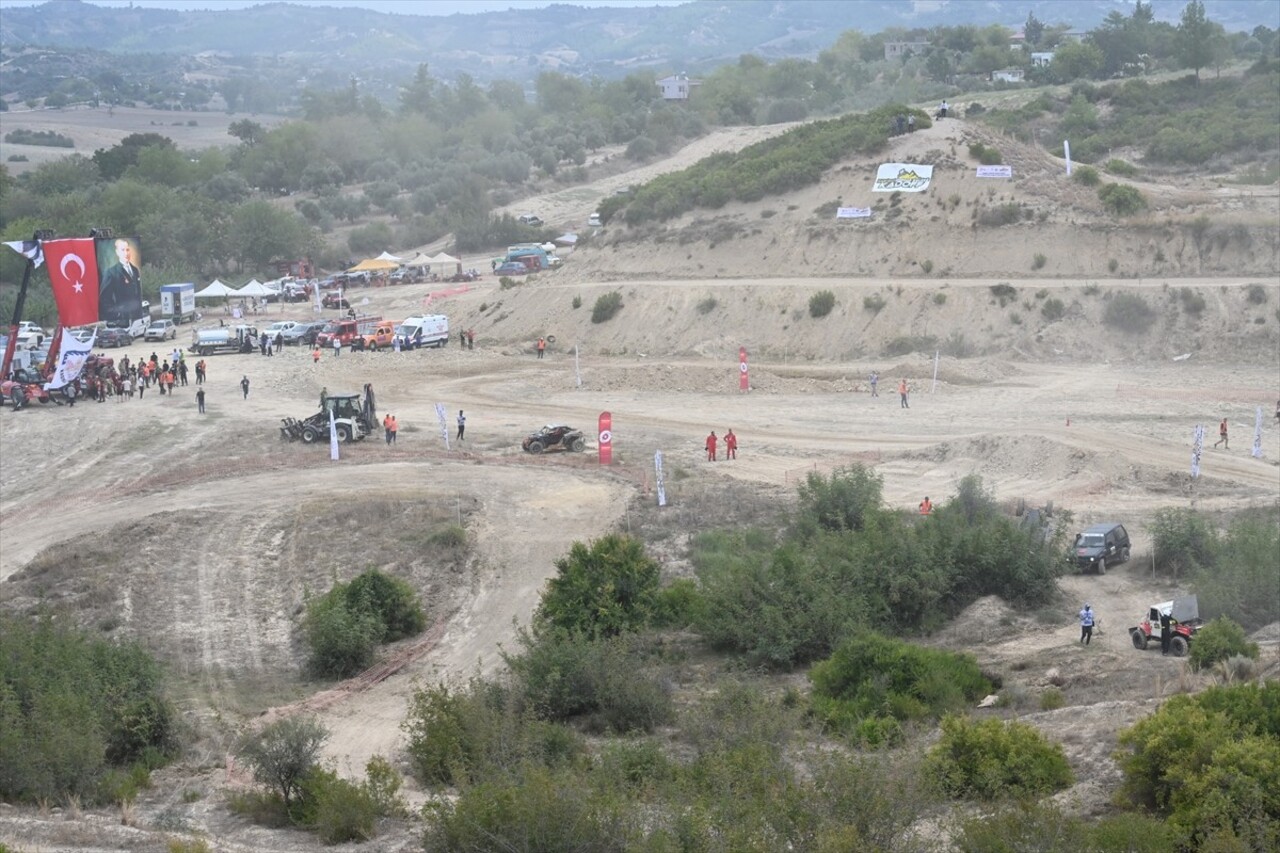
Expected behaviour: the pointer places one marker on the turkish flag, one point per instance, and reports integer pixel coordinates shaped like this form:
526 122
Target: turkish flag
606 438
743 384
73 272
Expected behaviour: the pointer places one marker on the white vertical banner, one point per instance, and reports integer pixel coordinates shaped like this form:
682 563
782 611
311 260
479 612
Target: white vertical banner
1066 152
319 302
657 478
1197 448
1257 434
577 374
444 424
936 355
333 438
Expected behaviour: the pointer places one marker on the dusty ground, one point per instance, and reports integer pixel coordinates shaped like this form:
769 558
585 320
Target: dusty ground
203 535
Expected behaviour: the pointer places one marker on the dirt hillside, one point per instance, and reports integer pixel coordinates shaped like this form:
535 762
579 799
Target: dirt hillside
202 536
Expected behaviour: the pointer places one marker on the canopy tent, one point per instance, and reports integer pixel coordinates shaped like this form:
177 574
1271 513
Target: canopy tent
569 239
374 265
255 288
419 260
216 289
387 256
445 258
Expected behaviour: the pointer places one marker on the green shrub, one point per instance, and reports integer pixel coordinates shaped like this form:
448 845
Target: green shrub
821 303
1044 828
985 155
392 600
1052 699
1192 302
905 344
78 715
1208 763
992 759
577 302
926 267
604 681
873 303
1009 213
1218 640
606 306
678 605
1129 312
1121 199
1053 309
707 305
506 282
338 810
1004 293
1256 294
1039 261
283 754
1123 168
1086 175
846 500
601 590
874 676
1239 577
1183 540
939 298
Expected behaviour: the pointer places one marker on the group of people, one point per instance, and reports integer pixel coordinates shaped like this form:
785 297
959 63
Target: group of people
269 345
730 446
904 390
390 426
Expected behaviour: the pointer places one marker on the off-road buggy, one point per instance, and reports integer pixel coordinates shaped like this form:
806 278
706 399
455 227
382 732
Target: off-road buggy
555 437
1184 622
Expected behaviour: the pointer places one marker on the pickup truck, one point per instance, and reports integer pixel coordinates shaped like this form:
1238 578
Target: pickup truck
236 339
383 335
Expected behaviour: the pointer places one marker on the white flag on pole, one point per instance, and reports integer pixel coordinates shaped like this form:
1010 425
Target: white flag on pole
1257 434
71 359
333 437
444 424
1197 448
657 476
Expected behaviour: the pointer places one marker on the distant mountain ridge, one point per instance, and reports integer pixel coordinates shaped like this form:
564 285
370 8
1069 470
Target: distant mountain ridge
607 41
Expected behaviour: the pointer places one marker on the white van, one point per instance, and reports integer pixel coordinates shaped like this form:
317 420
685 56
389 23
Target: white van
430 330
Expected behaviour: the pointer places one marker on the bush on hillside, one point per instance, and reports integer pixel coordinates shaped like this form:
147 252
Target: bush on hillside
345 626
1053 309
871 676
606 306
1184 541
283 753
821 303
985 155
1129 312
1086 175
1122 200
603 589
1028 825
993 759
77 714
1208 763
1240 579
1220 639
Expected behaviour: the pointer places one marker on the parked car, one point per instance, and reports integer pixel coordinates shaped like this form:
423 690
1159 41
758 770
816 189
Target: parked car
531 220
112 337
1101 545
511 268
593 221
160 330
303 334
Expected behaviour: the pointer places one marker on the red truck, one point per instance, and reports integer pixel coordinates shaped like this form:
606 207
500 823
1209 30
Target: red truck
347 329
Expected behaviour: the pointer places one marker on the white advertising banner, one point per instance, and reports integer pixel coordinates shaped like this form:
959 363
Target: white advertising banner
1257 434
658 479
902 178
71 359
995 171
333 437
853 213
444 424
1197 448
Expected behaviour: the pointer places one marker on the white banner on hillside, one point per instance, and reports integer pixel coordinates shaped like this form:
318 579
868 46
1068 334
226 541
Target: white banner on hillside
995 171
659 479
71 360
444 424
333 437
853 213
1257 434
902 178
1197 448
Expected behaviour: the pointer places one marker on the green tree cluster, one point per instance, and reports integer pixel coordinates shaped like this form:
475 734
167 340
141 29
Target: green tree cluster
76 711
994 759
345 626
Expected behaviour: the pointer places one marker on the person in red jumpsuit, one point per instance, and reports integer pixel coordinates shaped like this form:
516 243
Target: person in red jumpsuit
730 445
711 447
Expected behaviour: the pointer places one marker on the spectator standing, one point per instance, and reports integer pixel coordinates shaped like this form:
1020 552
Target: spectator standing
542 346
903 391
462 425
1086 624
711 446
730 445
1222 435
244 386
875 383
200 400
337 347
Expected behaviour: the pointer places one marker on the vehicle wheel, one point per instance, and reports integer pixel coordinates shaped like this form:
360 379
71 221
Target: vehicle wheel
1124 555
344 433
205 351
373 347
1102 566
577 445
309 435
1178 646
534 446
17 398
1139 640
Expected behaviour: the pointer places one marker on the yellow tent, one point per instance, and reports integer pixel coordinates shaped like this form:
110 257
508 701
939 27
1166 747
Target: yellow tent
374 265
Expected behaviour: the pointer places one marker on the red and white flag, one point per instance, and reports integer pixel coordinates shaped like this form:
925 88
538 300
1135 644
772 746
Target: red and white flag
743 383
73 272
606 438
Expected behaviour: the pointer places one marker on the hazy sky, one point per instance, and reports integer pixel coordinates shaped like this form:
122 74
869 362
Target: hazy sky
402 7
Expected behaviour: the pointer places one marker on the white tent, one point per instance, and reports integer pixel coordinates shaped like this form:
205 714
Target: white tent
255 288
387 256
569 239
215 290
445 258
421 259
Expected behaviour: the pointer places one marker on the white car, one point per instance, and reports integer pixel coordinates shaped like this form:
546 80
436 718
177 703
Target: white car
160 330
278 328
593 221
